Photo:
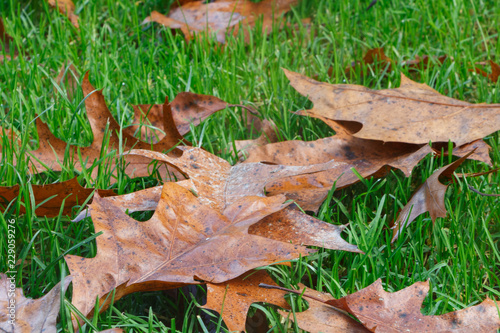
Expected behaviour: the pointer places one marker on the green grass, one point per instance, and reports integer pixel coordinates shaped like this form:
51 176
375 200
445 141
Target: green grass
140 64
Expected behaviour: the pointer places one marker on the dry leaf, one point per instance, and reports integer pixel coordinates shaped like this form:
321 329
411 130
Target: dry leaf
233 298
321 317
427 198
222 17
306 230
99 116
367 157
49 199
413 113
187 108
400 311
185 242
218 184
31 315
66 7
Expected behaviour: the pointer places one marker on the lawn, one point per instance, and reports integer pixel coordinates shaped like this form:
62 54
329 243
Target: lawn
137 63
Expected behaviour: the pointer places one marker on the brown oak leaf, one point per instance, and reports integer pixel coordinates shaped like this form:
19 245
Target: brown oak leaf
218 184
381 311
187 108
222 17
185 242
307 230
99 116
413 113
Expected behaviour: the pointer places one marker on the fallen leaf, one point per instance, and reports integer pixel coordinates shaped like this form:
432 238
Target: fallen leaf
219 184
367 157
52 199
222 17
66 7
380 311
413 113
307 230
185 242
187 108
321 317
427 198
232 299
31 315
495 71
52 150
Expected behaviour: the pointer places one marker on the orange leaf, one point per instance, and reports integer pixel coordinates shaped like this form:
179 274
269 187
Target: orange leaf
233 298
